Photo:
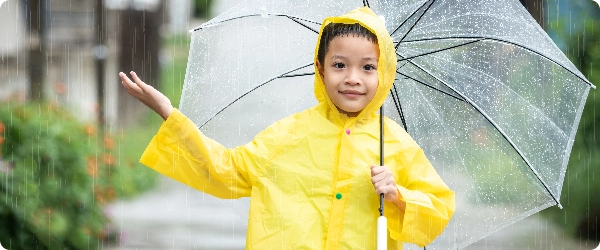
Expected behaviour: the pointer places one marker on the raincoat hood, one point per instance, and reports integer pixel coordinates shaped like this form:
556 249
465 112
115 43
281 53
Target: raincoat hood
386 69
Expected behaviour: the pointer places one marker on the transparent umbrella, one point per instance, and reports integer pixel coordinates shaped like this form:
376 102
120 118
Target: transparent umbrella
480 86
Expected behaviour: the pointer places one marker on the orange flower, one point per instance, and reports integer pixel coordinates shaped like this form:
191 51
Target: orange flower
89 129
101 234
87 231
1 127
110 194
109 159
53 106
92 167
99 195
48 210
109 143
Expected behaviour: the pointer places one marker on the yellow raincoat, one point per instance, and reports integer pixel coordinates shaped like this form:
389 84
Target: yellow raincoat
308 175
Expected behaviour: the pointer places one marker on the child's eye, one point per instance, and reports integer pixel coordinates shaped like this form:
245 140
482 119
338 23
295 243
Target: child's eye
339 65
369 67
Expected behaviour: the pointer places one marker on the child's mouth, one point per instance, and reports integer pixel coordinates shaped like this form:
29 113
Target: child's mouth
351 93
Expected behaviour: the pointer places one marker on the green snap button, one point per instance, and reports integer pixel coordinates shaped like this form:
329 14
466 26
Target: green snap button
338 196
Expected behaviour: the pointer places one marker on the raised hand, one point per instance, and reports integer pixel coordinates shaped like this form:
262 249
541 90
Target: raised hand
147 95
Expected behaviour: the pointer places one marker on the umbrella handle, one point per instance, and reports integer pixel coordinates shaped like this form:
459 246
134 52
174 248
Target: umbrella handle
381 233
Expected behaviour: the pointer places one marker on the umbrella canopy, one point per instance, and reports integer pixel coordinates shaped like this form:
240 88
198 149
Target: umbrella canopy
479 85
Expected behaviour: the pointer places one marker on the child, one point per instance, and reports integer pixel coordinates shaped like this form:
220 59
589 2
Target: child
311 176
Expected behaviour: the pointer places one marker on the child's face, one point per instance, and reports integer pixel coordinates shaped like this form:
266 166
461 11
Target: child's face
349 72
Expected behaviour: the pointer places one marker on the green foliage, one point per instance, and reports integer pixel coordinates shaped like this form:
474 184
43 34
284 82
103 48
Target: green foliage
173 72
581 213
201 8
55 176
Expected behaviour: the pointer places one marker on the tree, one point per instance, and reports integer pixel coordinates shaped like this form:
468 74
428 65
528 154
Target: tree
580 35
36 17
535 9
139 45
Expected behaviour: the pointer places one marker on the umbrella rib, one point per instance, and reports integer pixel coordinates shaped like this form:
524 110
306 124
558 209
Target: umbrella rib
303 25
489 119
251 90
432 87
304 74
301 19
396 100
225 20
409 17
421 82
440 50
253 15
541 112
504 41
399 107
415 24
366 3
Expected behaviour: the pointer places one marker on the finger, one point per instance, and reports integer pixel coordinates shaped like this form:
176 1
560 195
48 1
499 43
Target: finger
383 180
375 170
124 78
127 83
377 178
141 84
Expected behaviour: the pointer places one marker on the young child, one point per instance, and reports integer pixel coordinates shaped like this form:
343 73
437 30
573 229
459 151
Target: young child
311 176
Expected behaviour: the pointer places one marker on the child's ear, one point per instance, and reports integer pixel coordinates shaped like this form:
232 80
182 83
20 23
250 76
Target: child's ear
319 68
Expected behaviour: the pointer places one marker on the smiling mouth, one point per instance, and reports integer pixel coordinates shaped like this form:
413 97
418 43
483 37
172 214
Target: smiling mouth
351 93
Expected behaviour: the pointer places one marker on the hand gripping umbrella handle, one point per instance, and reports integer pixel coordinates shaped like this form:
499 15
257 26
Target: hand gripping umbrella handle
381 221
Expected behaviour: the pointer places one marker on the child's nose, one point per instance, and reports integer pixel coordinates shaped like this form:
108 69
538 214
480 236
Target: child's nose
353 77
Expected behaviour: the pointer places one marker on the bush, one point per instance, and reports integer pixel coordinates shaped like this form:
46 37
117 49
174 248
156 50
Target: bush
55 176
201 8
581 214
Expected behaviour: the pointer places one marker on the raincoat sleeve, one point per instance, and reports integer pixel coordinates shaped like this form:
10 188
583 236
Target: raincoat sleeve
180 151
430 203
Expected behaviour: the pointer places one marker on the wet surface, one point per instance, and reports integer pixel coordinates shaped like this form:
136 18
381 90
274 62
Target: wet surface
174 216
531 233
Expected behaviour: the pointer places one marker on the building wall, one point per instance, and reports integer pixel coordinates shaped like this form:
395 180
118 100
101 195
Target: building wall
70 39
70 73
12 52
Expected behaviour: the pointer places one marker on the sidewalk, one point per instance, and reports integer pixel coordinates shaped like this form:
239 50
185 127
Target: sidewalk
531 233
177 217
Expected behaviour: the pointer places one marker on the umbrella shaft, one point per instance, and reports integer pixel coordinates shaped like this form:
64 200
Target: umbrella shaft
381 154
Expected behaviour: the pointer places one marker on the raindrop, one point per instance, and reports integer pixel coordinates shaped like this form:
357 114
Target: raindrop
263 12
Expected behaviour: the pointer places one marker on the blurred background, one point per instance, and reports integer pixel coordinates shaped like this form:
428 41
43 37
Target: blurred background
71 137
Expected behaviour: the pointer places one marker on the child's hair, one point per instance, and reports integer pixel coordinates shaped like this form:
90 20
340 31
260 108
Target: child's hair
333 30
